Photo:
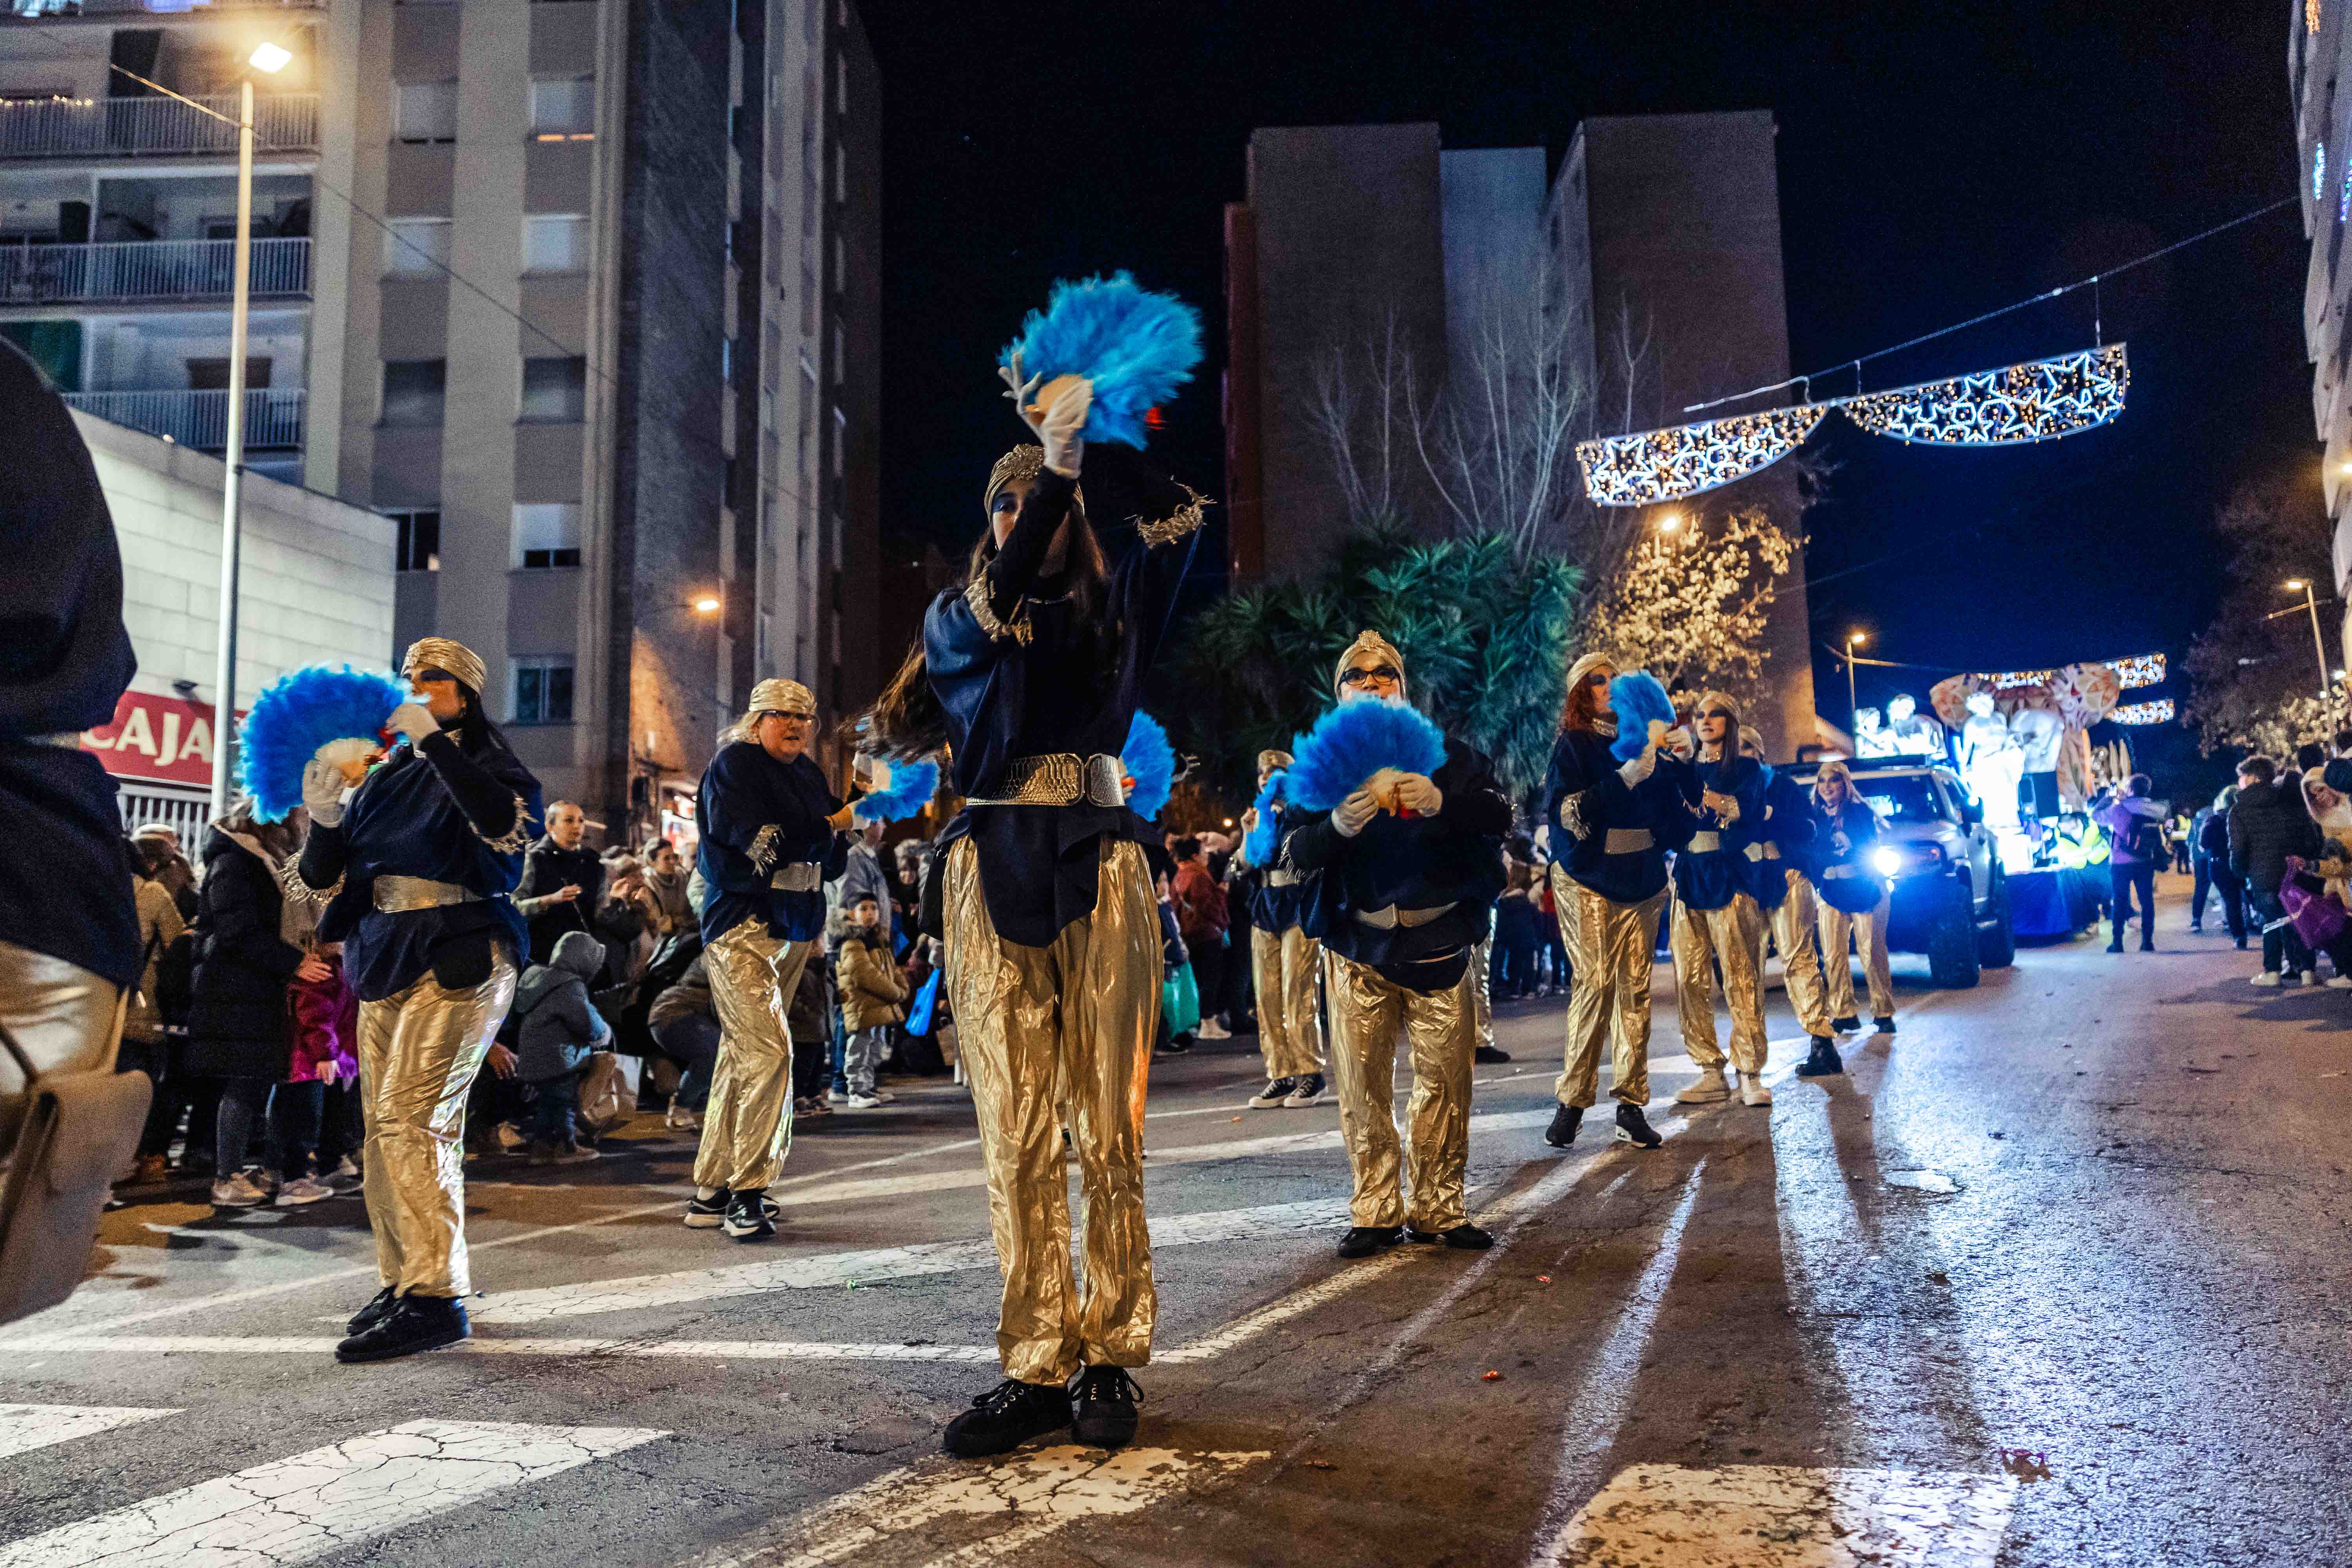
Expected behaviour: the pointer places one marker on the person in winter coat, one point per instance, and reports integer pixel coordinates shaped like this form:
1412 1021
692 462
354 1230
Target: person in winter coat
559 1030
684 1024
2210 861
2267 824
1202 915
2135 825
252 943
873 997
563 888
665 884
1853 898
811 1017
322 1052
148 1045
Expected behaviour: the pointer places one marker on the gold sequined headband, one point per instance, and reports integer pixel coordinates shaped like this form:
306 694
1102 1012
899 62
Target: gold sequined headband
448 656
1022 463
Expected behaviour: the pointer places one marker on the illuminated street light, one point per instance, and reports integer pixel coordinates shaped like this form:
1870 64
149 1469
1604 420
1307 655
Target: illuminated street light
1670 521
705 606
1852 703
270 59
2318 645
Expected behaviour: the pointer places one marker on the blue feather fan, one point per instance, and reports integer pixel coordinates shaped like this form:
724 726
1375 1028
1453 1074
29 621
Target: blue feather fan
1638 698
1137 347
1355 741
1264 842
298 714
1151 761
907 788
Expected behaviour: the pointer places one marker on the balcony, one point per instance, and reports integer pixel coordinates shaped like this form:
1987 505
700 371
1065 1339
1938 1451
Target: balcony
151 126
151 269
273 417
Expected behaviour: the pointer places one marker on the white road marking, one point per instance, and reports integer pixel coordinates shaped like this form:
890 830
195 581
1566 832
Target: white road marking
290 1511
25 1427
1778 1516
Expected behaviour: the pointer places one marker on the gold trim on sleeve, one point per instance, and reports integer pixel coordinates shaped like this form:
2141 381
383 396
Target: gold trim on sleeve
1178 523
976 596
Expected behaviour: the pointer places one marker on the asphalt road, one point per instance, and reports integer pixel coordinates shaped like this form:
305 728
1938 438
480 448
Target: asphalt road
2057 1276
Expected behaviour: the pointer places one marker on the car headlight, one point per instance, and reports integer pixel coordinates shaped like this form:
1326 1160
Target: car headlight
1886 862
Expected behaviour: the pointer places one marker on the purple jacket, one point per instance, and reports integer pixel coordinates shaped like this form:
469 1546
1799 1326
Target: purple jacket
2119 814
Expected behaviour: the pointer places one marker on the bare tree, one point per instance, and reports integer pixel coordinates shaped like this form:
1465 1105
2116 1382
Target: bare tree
1360 402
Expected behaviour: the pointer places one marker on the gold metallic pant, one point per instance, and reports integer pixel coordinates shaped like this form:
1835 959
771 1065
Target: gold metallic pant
419 1049
1732 936
1610 951
1289 1028
1801 965
1869 933
748 1123
1441 1031
1041 1027
61 1016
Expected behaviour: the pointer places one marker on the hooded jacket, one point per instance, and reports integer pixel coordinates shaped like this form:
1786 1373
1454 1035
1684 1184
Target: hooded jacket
873 992
561 1028
236 1016
2267 825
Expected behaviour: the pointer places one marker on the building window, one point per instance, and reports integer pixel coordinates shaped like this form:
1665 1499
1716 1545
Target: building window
547 534
424 111
563 109
555 391
542 691
555 242
415 247
414 390
418 546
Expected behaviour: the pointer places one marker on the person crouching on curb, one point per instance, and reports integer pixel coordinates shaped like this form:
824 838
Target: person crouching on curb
873 997
1400 902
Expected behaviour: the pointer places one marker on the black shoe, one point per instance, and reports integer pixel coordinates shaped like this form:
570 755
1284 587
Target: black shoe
2115 947
1363 1240
707 1214
1463 1238
2147 946
1176 1046
1634 1127
1565 1120
1273 1094
1849 1025
415 1323
748 1218
1490 1054
374 1312
1007 1416
1825 1062
1885 1026
1105 1399
2241 944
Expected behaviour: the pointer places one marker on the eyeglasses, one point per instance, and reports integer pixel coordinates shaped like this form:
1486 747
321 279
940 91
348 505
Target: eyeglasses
1386 673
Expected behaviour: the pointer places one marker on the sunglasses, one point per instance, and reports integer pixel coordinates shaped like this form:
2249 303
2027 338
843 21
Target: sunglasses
1596 680
1387 673
1716 713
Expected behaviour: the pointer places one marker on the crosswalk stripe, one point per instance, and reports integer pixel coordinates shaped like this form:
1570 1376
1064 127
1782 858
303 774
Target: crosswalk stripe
25 1427
1786 1516
290 1511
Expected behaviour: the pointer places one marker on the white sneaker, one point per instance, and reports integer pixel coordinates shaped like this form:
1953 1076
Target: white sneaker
1709 1086
1210 1029
2339 983
864 1102
681 1119
345 1170
1752 1090
510 1137
2267 977
237 1193
303 1190
886 1097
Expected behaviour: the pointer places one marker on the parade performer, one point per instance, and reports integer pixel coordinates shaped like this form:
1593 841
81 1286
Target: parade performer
1853 898
1034 669
1404 873
771 834
1611 823
1780 887
1285 962
416 862
1718 920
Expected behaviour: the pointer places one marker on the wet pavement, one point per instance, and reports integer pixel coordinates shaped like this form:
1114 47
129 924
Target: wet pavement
2056 1275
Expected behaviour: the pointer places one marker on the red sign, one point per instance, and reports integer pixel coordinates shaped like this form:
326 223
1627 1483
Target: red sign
161 739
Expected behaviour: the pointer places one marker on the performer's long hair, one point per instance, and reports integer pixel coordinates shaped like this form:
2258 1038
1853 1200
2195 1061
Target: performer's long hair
474 730
1578 711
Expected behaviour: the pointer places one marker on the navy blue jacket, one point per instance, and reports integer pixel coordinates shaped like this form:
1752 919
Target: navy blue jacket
1788 842
1278 908
1585 800
1706 877
757 814
1847 881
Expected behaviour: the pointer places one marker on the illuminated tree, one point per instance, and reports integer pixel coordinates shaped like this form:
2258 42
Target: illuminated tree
1692 604
2252 680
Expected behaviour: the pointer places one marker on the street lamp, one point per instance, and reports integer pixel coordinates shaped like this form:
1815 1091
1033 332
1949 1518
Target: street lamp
2318 648
708 605
268 58
1853 704
1670 521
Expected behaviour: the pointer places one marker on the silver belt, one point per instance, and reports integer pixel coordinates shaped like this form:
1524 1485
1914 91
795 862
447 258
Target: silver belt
1391 918
1832 873
1705 843
397 895
1763 849
1061 778
797 877
1626 841
1281 879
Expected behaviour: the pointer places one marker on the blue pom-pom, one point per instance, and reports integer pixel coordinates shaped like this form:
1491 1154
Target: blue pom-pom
1151 761
1355 741
1135 346
1264 842
908 788
1638 698
295 716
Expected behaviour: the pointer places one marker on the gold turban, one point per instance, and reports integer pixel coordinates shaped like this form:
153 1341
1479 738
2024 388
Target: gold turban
777 695
1722 700
1022 463
448 656
1274 757
1368 649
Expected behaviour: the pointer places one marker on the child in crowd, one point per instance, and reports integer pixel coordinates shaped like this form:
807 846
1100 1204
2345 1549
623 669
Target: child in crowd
1180 994
873 998
559 1030
322 1037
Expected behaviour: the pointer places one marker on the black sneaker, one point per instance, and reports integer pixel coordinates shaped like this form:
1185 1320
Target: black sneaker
707 1214
1105 1398
1007 1416
1490 1054
1849 1025
1634 1127
1825 1061
1463 1238
1310 1092
374 1312
750 1217
1884 1025
1273 1094
1565 1120
415 1323
2115 947
1176 1046
1363 1240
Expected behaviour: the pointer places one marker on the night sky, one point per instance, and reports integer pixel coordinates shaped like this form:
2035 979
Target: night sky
1935 161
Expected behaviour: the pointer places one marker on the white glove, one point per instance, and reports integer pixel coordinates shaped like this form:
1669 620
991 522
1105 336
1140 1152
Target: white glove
1351 814
1640 768
1416 794
322 792
413 720
1063 404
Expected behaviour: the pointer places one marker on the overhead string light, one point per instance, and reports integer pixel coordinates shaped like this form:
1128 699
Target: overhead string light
2041 400
2159 712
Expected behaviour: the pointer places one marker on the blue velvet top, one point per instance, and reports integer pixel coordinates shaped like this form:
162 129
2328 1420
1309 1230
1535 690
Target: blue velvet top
1788 837
448 812
1278 908
756 815
1707 878
1584 798
1855 894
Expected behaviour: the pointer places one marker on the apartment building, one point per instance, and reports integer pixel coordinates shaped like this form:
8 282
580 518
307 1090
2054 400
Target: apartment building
2319 53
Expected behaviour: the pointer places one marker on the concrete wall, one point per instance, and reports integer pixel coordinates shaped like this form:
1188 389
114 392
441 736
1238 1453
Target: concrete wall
1492 201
